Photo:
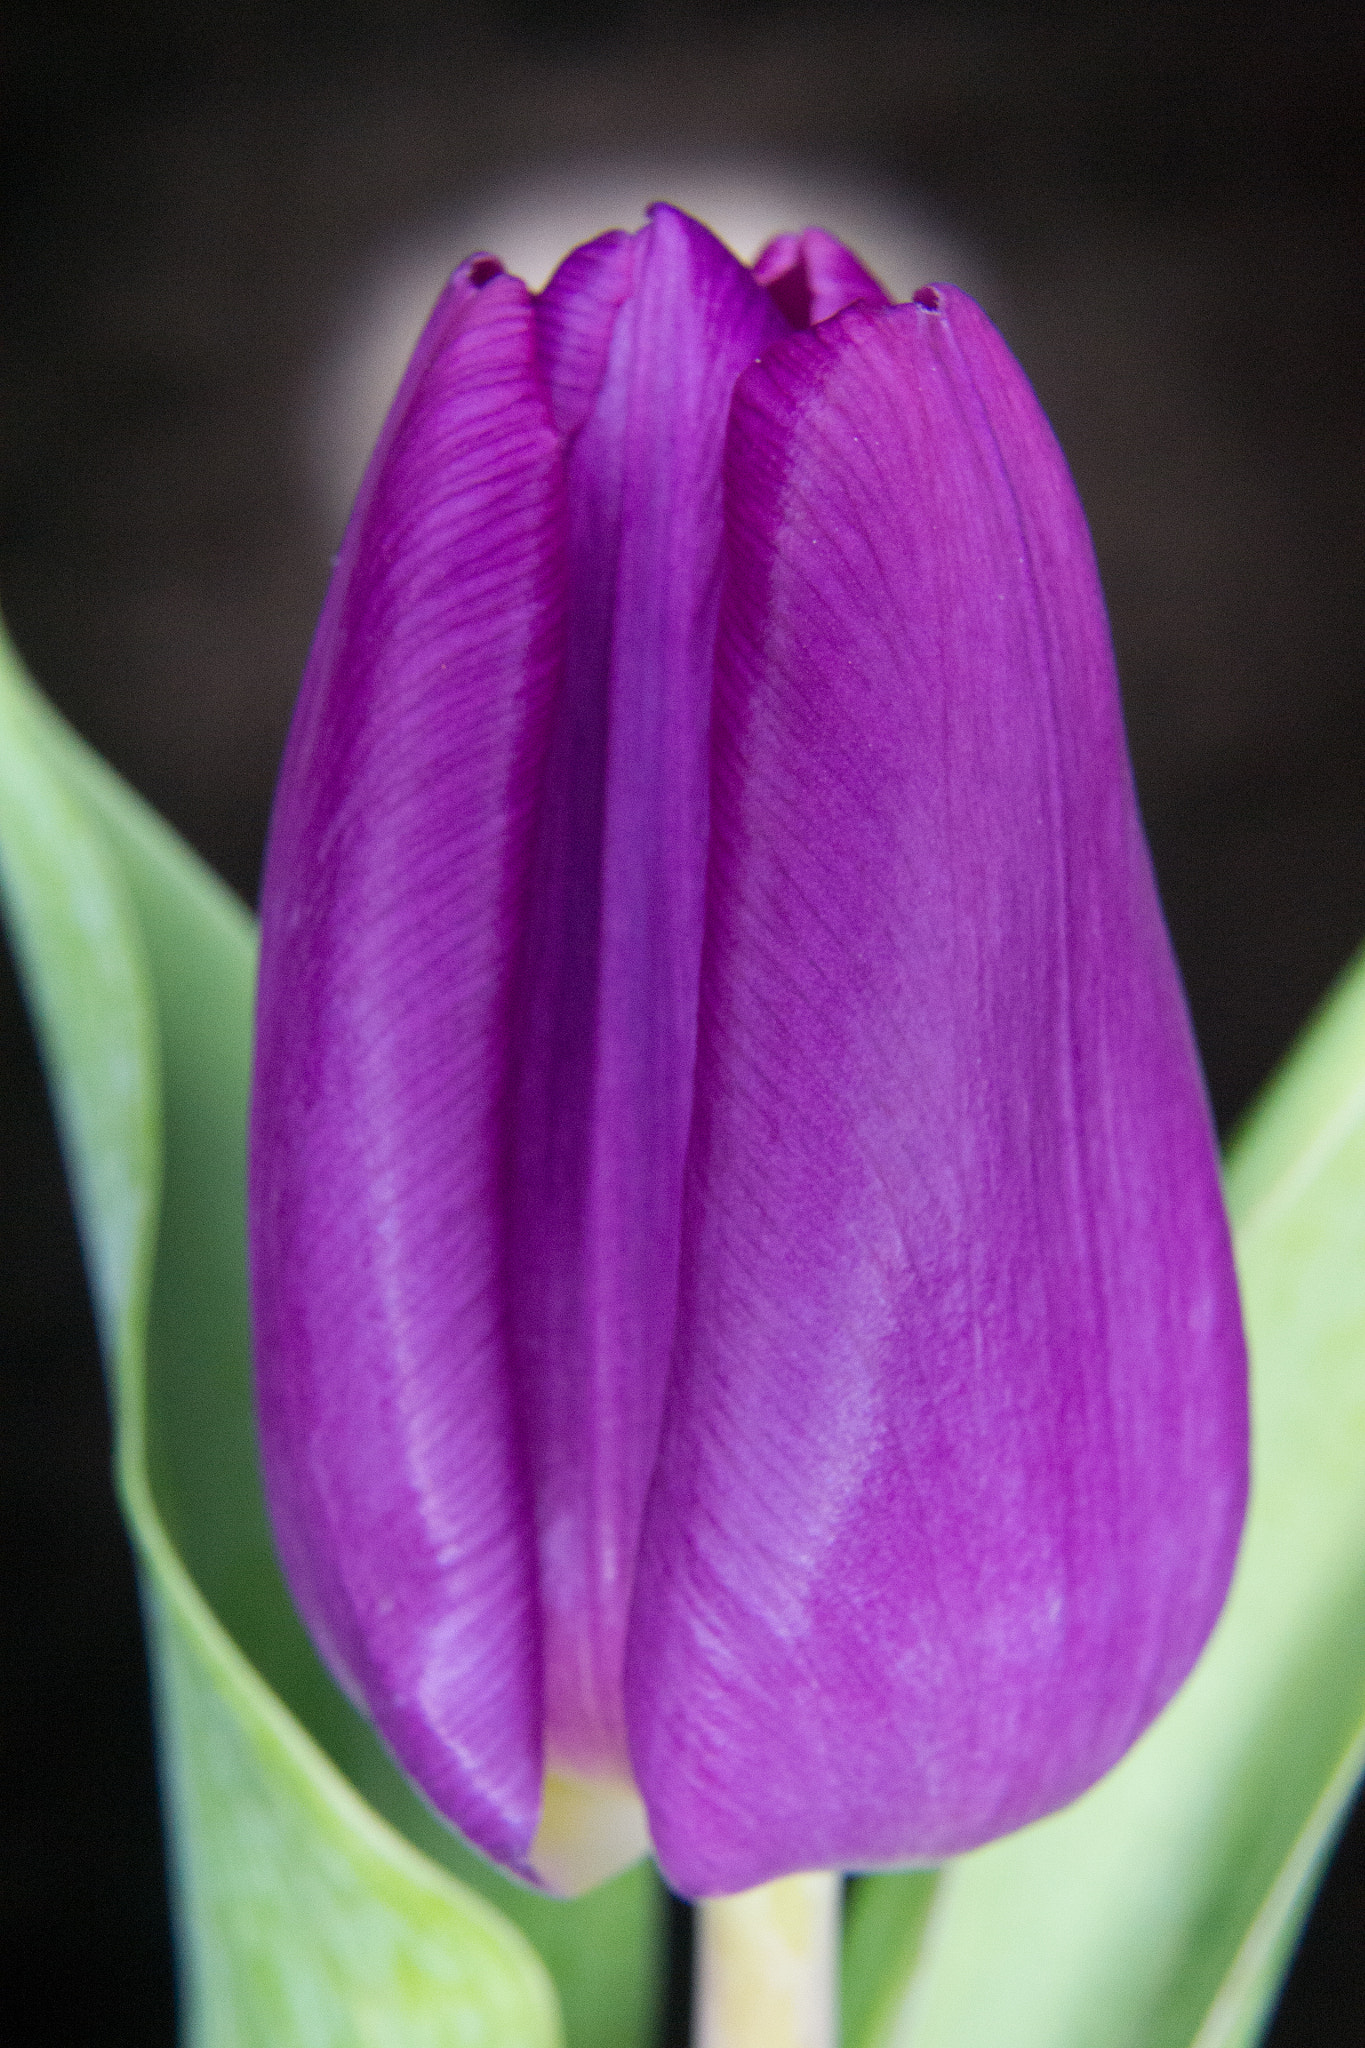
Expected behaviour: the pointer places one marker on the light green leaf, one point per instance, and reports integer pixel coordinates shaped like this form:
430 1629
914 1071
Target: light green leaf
318 1899
1161 1909
884 1921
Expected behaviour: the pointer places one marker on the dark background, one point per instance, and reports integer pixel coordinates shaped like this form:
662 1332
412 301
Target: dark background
1168 202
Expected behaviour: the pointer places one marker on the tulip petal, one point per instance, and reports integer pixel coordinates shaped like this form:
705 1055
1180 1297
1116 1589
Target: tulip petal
954 1458
394 895
812 277
575 319
606 1028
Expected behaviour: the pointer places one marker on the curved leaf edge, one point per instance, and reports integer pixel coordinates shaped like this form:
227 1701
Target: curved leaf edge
95 806
1243 2003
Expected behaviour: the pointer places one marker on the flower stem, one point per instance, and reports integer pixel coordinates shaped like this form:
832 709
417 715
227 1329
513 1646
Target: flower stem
767 1971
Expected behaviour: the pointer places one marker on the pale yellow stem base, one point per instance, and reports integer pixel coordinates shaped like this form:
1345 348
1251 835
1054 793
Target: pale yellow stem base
590 1828
767 1969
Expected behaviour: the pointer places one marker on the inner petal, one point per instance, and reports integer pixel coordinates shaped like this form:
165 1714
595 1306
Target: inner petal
810 277
607 1017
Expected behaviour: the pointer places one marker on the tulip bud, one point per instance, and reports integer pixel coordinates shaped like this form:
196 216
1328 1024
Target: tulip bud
748 1351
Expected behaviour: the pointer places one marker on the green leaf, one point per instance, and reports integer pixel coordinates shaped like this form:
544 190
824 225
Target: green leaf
1161 1910
319 1901
884 1921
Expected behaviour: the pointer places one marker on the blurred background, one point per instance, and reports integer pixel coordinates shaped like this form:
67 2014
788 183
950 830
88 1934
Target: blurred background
221 226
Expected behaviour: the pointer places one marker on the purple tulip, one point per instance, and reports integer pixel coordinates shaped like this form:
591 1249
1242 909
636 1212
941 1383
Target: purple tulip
744 1313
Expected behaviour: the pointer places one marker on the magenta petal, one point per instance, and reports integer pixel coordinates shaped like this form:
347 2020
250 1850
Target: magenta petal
575 319
812 277
606 1026
954 1458
394 896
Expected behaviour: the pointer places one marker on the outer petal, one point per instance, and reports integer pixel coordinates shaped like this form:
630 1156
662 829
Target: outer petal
394 898
606 1028
954 1461
811 277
